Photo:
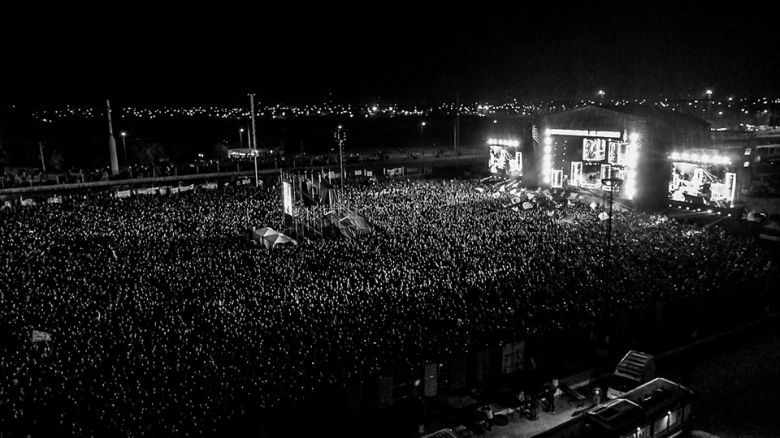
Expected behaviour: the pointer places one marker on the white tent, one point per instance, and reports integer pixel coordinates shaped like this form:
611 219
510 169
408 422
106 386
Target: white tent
270 237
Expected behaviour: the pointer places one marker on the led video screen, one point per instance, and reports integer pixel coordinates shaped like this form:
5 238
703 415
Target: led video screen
594 149
504 161
702 184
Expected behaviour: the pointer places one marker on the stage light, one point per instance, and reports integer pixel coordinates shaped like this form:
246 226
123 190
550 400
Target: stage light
684 156
547 149
548 140
583 133
633 137
675 156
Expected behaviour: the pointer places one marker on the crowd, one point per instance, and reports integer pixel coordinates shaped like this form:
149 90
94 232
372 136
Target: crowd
165 320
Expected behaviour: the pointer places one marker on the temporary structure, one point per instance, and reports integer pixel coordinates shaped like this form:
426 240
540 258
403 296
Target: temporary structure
270 237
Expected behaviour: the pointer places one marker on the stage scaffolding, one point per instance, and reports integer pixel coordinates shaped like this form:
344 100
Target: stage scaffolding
308 201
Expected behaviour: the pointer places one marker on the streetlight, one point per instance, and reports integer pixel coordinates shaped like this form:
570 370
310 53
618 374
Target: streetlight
601 95
124 145
422 128
241 137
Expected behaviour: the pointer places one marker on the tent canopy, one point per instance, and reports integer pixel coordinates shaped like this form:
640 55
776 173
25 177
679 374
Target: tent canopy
270 237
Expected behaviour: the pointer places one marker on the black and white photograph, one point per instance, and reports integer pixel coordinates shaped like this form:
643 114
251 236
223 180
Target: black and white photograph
426 219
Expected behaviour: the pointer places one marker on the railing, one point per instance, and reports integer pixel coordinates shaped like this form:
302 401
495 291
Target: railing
433 161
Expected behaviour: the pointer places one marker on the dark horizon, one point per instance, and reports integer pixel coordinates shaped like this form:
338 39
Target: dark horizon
400 54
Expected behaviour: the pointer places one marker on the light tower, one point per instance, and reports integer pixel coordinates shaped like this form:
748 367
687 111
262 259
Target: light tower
340 137
124 145
614 184
111 142
254 135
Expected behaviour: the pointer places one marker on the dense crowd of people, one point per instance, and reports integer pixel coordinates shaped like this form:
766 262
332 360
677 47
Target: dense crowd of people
166 320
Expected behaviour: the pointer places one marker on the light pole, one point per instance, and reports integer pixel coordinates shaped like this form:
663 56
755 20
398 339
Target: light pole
709 100
601 96
422 133
254 135
340 137
123 134
241 137
613 184
111 142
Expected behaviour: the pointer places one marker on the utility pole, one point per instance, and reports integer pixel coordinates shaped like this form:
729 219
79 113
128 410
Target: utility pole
254 135
111 142
40 148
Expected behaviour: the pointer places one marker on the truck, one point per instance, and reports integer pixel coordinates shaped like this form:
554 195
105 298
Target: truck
632 371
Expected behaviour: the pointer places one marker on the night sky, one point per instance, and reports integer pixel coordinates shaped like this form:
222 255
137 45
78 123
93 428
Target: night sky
390 51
